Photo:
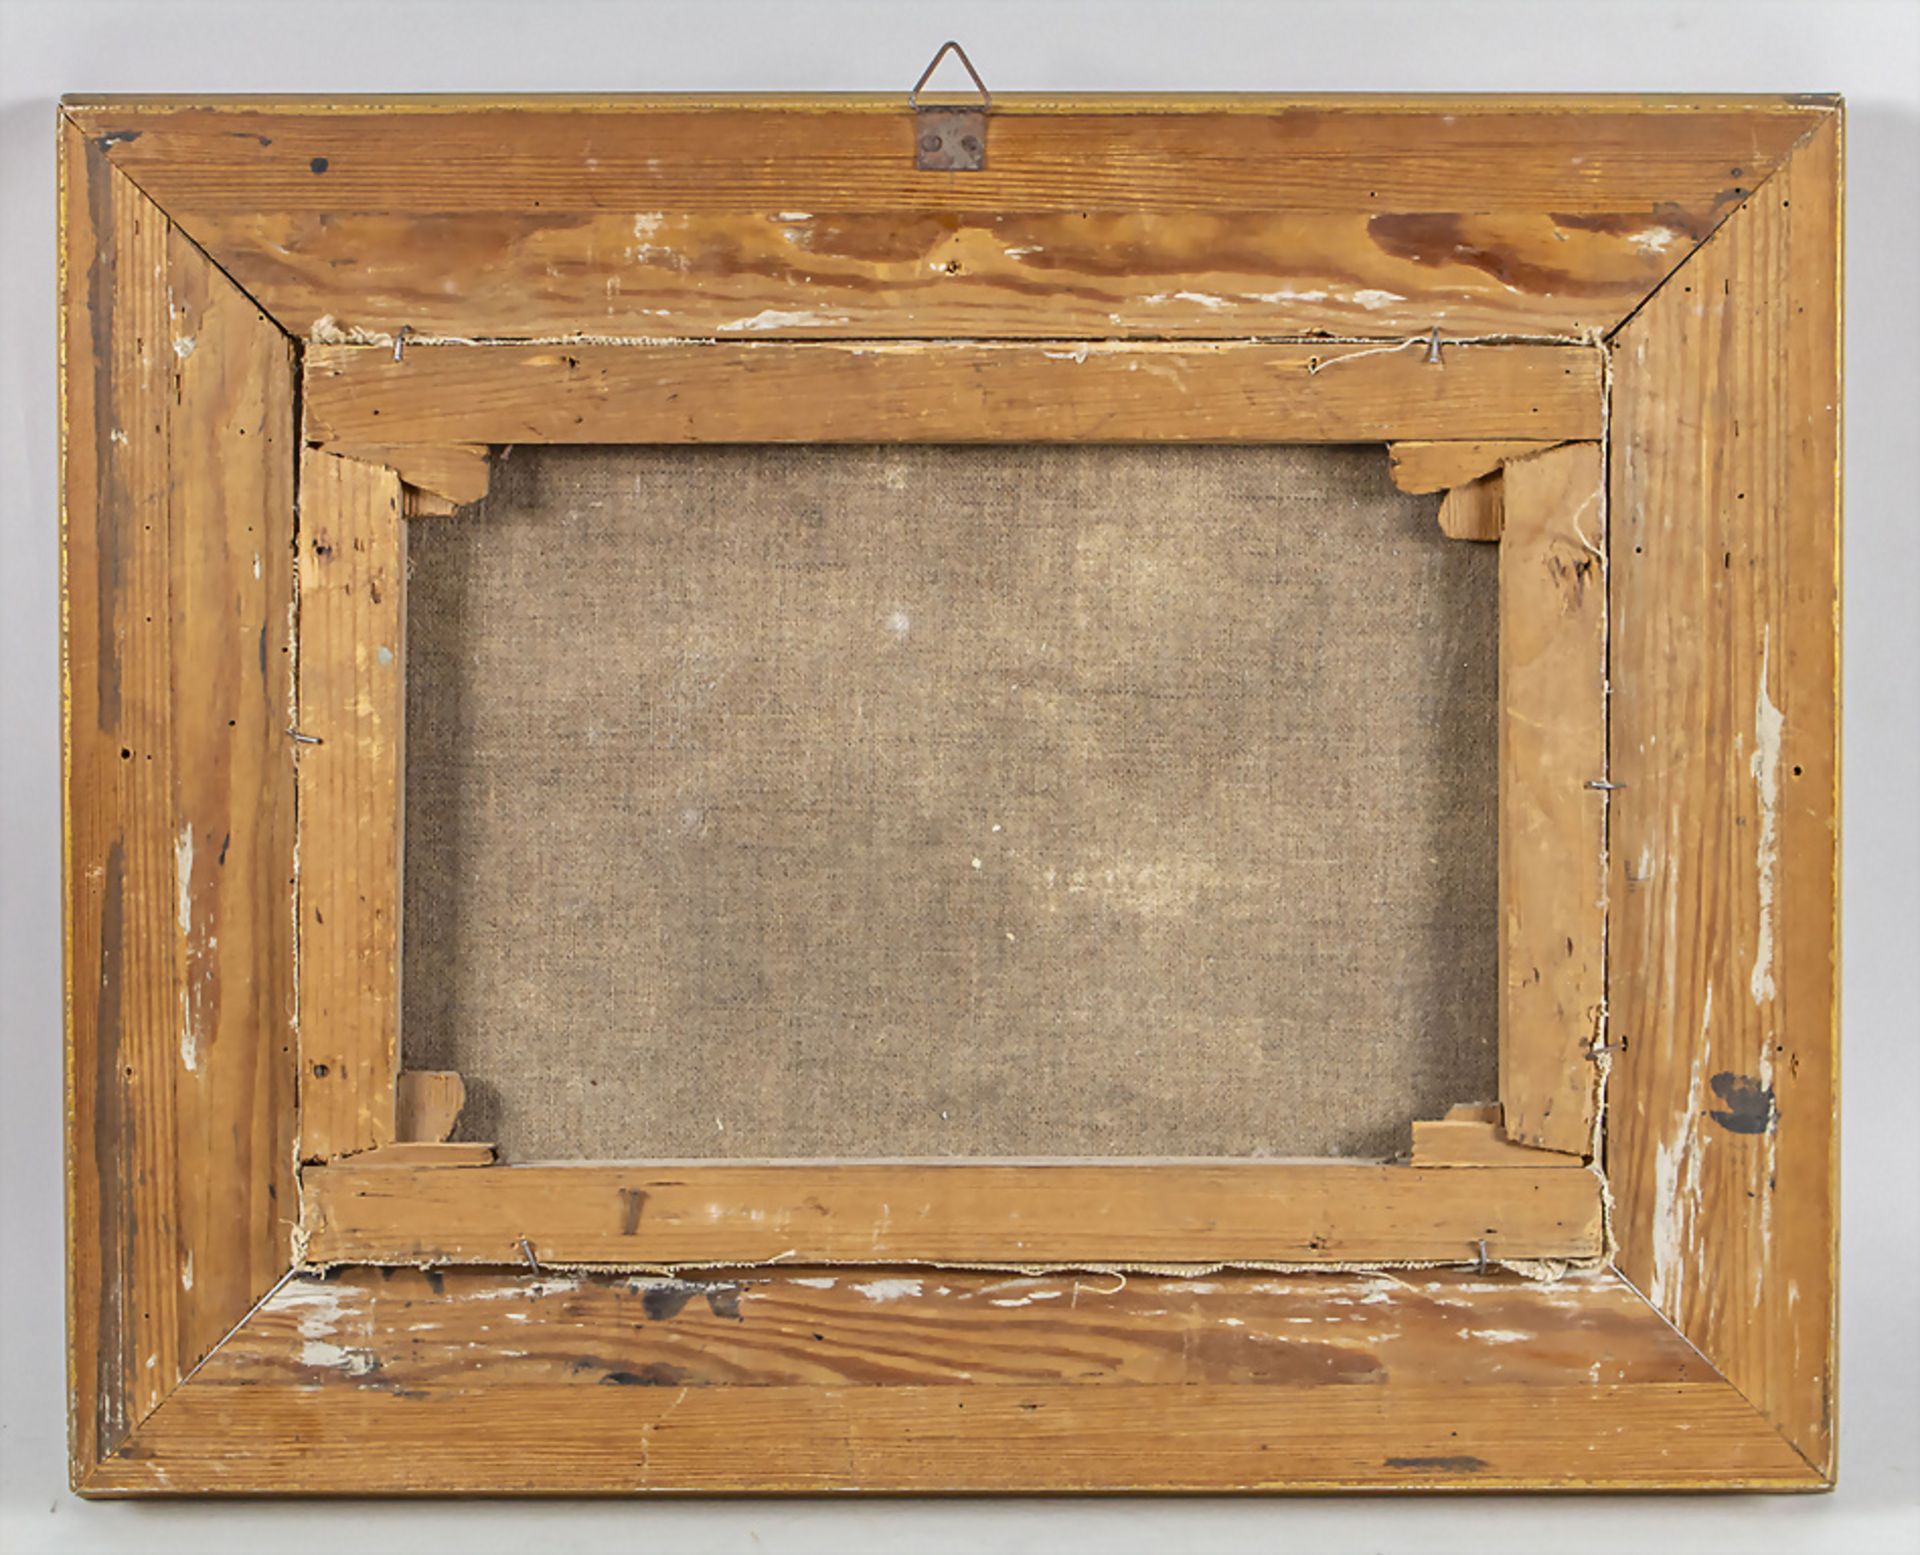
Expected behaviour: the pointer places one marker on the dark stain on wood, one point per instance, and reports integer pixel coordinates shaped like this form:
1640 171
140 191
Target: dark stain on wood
1459 1463
662 1302
1440 239
655 1374
633 1202
115 138
665 1300
110 509
1749 1104
112 1156
1622 224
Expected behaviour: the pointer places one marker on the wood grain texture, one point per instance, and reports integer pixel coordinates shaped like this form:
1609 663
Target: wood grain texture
1472 1142
427 1103
1211 217
1553 749
177 530
352 757
962 1381
1423 467
456 472
822 1327
1475 511
946 392
1725 625
911 1212
422 1152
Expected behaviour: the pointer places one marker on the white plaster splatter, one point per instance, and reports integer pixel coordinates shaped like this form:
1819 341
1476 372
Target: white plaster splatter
900 623
183 885
815 1281
531 1290
333 1357
1768 726
783 318
1768 723
183 876
1029 1298
1497 1335
186 1271
183 346
1652 240
1676 1184
1204 299
888 1290
1375 299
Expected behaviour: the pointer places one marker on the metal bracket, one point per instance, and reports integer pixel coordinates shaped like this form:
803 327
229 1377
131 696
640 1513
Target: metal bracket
947 138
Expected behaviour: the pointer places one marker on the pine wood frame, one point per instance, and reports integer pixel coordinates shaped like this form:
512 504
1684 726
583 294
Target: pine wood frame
286 328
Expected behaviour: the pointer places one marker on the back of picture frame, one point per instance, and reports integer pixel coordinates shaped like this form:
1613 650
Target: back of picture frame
310 352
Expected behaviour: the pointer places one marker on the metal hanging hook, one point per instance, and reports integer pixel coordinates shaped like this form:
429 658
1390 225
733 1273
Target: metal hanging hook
949 138
950 47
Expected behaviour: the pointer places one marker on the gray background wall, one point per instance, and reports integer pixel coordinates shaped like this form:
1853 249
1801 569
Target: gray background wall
1870 51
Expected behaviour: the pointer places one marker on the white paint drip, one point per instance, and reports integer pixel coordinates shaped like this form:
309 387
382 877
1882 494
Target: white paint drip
1768 723
815 1281
186 1272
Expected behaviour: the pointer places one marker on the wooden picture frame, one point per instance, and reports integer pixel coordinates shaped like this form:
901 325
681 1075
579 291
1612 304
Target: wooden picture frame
1603 330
